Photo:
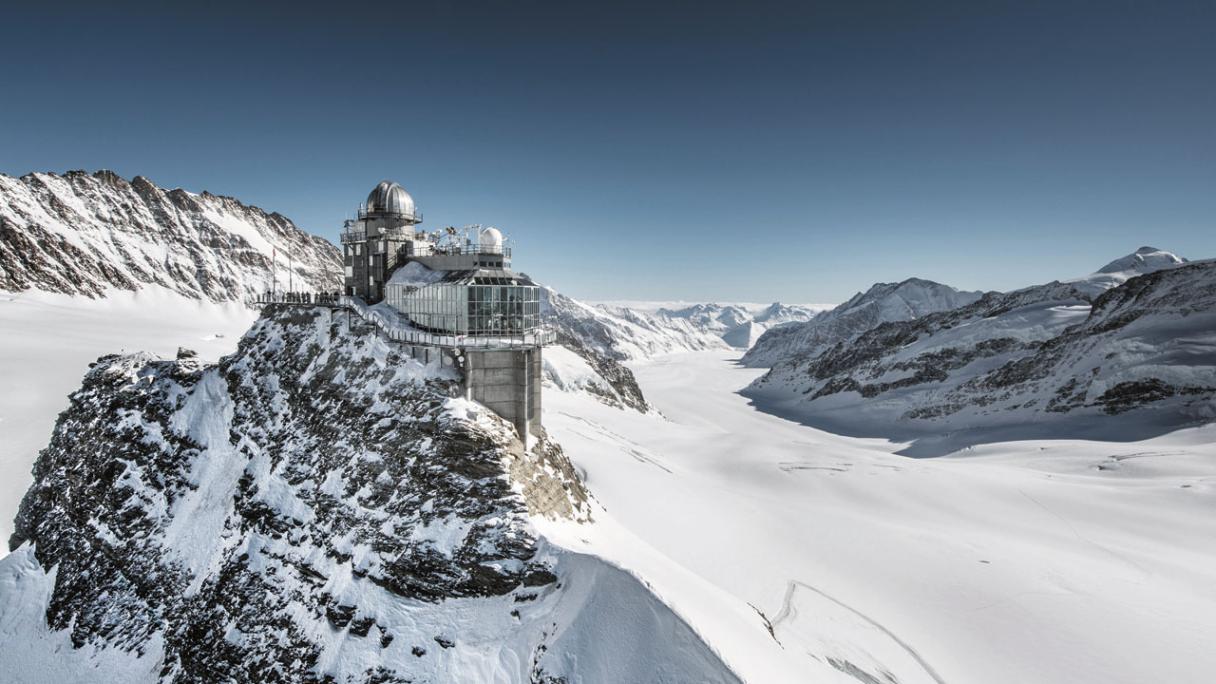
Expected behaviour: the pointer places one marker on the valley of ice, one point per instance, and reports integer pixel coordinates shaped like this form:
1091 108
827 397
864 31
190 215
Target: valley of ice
1032 561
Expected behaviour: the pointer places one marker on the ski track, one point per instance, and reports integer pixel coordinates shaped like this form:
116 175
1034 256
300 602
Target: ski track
787 612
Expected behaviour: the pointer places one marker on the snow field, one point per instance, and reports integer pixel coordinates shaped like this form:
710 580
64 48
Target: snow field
1032 561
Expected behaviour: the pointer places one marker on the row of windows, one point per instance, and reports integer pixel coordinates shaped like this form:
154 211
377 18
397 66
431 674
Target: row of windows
472 310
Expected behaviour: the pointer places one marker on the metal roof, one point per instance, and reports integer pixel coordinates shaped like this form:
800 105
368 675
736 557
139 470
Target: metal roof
390 198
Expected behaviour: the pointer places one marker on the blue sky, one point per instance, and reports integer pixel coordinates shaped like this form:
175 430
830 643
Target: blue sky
696 151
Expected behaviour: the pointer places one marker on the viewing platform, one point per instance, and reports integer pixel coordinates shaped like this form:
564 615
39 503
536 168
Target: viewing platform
397 329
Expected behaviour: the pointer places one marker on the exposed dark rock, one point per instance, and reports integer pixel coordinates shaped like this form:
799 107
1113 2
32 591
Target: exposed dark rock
316 450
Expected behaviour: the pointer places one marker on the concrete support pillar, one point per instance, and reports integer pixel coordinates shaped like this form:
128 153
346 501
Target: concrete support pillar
507 381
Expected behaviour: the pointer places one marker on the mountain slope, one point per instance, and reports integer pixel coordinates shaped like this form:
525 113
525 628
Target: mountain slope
1028 358
602 338
85 234
883 302
313 508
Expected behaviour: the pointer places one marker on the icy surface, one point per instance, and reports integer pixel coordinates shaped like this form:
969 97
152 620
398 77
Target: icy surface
1035 561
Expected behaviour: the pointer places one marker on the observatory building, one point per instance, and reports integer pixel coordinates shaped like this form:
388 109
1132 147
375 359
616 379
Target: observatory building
456 291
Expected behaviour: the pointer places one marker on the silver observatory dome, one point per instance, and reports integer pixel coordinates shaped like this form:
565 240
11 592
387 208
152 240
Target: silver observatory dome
392 199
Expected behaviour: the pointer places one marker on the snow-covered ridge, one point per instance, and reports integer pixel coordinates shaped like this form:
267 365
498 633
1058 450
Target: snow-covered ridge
883 302
83 234
738 326
1049 358
316 506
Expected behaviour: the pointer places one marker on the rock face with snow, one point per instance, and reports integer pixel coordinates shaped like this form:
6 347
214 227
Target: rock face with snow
1028 357
603 338
316 507
82 234
883 302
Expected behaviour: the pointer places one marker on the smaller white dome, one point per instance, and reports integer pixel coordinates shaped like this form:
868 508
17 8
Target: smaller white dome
491 239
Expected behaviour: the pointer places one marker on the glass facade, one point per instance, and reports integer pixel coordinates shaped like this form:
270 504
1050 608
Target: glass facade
469 309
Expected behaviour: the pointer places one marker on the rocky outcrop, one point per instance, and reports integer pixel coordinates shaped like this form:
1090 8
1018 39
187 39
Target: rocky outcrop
315 486
602 341
84 234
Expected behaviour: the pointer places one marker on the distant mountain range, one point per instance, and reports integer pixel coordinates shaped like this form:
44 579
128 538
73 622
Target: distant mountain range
606 336
882 303
1138 335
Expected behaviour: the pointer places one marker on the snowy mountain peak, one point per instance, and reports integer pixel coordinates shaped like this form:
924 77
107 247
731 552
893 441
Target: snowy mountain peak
1142 261
881 303
778 313
86 234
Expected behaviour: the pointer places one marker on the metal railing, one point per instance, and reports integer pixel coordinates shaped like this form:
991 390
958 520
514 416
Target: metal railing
472 248
402 331
333 299
414 216
361 235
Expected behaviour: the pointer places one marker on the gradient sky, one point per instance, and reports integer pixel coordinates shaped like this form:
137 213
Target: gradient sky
697 151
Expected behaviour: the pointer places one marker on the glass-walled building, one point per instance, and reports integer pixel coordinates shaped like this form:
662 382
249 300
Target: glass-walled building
490 303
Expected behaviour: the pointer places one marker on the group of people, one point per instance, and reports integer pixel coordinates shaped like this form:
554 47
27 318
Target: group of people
332 298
